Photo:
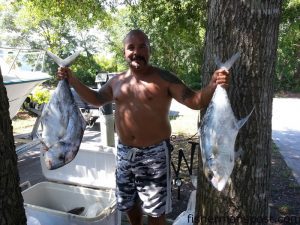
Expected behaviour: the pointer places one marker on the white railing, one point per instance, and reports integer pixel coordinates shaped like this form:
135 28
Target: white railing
12 59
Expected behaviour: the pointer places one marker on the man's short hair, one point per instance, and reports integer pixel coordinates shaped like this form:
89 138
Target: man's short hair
136 31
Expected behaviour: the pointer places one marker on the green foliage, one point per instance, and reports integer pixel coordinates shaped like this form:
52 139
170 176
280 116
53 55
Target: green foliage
59 26
40 95
174 27
288 61
120 26
107 64
86 68
176 30
84 13
176 33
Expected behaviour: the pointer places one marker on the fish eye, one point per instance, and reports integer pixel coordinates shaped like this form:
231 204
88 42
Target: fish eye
61 157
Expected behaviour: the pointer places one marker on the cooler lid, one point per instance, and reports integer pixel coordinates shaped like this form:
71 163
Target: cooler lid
94 166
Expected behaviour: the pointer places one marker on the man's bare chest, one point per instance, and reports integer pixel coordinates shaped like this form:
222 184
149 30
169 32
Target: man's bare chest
139 91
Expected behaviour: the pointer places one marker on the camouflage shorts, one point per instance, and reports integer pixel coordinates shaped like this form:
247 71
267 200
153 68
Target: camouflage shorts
143 174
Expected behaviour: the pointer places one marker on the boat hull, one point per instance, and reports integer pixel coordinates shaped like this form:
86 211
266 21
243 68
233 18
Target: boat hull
22 72
18 90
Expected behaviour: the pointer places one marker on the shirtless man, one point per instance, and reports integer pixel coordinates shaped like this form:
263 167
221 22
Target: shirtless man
142 96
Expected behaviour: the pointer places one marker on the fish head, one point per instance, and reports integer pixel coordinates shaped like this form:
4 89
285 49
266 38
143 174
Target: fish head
208 172
219 182
217 179
70 155
53 160
59 154
217 170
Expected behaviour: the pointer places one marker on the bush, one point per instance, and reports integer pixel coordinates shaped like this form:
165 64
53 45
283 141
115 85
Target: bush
40 95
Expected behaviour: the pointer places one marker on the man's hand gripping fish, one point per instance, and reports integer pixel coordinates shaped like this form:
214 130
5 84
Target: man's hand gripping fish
63 123
218 131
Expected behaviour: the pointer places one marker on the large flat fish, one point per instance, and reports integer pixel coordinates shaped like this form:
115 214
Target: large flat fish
63 123
218 131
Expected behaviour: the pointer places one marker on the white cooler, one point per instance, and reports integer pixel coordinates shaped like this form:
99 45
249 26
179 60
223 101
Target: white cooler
88 181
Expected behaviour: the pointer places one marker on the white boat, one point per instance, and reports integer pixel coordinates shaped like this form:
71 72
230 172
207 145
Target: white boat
22 72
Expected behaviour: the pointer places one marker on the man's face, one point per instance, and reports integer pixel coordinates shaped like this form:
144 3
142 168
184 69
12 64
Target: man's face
137 50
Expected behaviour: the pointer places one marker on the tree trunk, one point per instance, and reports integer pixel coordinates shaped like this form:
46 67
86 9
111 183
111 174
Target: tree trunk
11 201
250 27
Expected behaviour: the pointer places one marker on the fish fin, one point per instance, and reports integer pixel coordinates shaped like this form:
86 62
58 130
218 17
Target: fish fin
241 122
64 62
41 140
70 59
228 64
55 58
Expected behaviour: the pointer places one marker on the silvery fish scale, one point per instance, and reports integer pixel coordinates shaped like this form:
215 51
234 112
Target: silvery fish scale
63 123
218 131
63 127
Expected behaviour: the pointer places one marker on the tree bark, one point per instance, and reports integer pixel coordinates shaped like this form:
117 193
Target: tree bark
11 201
250 27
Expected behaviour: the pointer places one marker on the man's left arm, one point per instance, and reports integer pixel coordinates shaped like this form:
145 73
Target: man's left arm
198 99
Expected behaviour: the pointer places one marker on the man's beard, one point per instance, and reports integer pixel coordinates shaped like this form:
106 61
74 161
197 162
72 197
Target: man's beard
132 62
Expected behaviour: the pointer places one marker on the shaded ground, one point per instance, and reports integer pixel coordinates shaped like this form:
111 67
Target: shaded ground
284 189
181 196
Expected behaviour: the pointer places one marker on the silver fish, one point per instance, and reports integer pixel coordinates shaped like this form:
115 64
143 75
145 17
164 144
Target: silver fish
63 124
218 131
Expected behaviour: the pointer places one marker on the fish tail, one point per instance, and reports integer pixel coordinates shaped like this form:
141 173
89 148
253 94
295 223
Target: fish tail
241 122
70 59
41 140
228 64
64 62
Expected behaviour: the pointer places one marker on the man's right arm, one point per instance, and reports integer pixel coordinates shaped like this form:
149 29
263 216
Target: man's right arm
103 96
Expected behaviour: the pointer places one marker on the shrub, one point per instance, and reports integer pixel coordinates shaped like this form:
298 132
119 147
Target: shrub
40 95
